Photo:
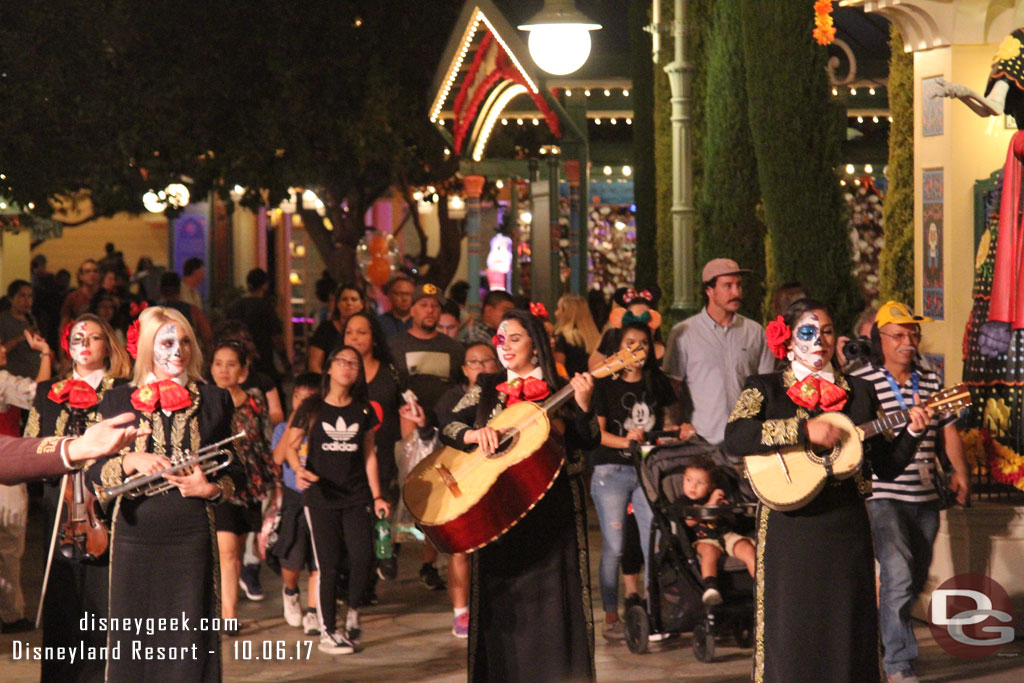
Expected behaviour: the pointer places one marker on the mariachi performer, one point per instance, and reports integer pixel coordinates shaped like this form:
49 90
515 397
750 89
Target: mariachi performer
163 556
77 580
816 617
530 613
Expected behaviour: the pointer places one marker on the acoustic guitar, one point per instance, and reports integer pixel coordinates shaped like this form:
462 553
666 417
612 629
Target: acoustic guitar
792 476
464 500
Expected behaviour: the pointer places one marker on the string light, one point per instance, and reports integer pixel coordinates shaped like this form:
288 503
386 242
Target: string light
613 121
874 119
625 93
597 121
455 67
568 93
536 122
519 122
629 122
850 169
504 122
860 119
868 168
499 183
835 92
627 171
587 92
607 170
871 91
853 91
890 119
607 93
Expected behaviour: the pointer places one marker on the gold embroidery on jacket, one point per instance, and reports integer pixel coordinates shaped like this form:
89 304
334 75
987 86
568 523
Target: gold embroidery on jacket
747 405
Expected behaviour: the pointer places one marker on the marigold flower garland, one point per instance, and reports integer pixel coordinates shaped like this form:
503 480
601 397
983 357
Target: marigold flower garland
824 31
985 454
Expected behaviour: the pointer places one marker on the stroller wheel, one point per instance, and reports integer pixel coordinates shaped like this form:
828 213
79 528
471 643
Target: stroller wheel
703 643
743 632
638 629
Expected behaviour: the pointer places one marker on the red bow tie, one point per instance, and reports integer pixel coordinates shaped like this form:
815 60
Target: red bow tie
812 392
524 389
77 393
166 394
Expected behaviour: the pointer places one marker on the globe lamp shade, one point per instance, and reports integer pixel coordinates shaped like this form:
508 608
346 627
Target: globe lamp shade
559 39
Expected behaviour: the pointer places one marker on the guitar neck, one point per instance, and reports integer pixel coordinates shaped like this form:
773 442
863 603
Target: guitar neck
558 399
890 421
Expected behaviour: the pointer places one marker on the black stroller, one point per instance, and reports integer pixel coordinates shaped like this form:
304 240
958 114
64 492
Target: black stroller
674 574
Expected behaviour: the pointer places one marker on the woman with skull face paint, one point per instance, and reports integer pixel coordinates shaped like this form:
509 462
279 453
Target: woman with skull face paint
530 614
816 615
62 408
163 548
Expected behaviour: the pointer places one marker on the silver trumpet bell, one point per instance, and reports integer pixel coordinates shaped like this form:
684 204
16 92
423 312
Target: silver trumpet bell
138 485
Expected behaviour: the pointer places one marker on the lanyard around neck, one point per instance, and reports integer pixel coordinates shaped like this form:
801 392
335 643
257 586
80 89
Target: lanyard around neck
897 392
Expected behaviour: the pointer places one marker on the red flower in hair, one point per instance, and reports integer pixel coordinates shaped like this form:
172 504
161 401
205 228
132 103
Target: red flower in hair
65 338
133 340
778 334
538 309
135 308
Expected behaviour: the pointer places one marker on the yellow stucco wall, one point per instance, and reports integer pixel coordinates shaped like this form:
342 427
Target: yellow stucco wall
135 236
969 149
14 258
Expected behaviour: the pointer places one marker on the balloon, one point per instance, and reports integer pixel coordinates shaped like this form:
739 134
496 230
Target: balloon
379 271
379 245
377 256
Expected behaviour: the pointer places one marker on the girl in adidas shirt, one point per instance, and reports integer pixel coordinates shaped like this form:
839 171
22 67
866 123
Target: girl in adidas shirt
342 492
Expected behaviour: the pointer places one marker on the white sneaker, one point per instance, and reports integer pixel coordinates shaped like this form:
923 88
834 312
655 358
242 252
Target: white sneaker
352 630
712 597
310 624
335 643
292 609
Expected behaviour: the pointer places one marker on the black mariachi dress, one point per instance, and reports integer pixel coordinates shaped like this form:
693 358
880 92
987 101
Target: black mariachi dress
530 615
74 587
815 582
163 561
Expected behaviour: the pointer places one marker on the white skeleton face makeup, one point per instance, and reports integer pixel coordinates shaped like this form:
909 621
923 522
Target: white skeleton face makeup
171 352
807 342
499 343
78 344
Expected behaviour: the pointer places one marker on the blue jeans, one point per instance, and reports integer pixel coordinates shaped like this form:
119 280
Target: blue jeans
613 487
903 534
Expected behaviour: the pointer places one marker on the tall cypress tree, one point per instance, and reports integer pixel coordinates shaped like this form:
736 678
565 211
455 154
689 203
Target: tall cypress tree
729 226
797 132
896 264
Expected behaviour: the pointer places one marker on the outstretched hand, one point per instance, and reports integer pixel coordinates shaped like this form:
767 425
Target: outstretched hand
105 438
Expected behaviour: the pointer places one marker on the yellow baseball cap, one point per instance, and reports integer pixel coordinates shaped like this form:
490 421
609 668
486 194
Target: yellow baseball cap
895 312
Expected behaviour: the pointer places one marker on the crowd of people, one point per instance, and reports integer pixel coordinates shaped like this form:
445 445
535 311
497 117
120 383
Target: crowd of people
382 389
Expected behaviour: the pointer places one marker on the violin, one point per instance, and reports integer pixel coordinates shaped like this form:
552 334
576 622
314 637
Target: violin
83 535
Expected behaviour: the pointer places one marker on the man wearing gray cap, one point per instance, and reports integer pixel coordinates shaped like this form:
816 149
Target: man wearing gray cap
714 351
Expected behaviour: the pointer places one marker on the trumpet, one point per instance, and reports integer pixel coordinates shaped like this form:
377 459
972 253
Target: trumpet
138 485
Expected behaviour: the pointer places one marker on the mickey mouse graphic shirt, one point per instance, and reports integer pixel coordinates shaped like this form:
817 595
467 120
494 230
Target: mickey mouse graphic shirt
629 405
336 456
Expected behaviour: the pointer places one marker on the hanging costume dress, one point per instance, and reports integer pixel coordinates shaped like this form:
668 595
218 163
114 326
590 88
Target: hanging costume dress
994 354
163 554
74 587
816 618
530 615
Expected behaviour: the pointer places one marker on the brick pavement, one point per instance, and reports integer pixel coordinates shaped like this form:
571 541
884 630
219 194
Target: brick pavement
407 638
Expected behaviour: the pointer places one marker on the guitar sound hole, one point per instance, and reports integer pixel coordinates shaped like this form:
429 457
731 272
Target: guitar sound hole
506 443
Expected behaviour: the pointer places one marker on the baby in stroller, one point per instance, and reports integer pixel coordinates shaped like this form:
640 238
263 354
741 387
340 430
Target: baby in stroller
711 535
678 598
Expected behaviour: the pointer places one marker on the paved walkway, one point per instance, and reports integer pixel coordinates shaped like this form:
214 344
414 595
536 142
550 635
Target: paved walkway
408 638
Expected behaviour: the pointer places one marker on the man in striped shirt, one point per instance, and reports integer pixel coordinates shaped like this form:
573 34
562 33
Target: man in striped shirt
905 512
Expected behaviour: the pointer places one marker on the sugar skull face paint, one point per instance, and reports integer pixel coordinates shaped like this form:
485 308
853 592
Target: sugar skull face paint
499 342
813 340
171 350
87 346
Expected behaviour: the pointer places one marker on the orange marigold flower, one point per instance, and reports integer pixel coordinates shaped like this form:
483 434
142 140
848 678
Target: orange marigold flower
825 36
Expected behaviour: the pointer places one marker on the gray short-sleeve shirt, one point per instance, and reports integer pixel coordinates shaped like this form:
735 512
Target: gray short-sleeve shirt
714 361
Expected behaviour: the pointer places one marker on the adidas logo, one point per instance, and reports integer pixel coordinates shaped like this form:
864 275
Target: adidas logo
340 433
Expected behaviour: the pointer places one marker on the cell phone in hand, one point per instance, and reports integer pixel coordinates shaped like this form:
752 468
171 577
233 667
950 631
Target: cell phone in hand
409 397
